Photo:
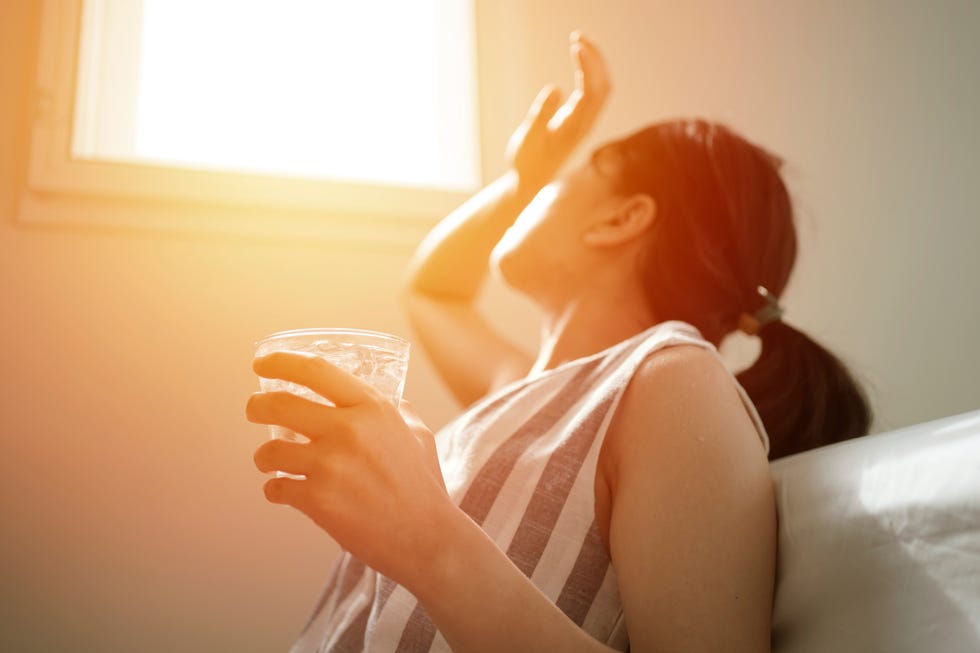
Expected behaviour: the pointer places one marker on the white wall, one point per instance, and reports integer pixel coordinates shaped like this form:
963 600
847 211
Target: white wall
131 516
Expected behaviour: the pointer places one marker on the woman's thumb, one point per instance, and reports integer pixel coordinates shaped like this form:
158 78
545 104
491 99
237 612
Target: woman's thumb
409 415
424 435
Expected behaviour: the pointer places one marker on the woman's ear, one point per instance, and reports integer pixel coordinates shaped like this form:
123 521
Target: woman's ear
630 219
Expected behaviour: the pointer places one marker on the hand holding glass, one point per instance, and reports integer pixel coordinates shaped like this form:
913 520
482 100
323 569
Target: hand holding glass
380 359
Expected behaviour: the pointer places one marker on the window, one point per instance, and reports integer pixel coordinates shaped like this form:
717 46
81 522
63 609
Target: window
261 113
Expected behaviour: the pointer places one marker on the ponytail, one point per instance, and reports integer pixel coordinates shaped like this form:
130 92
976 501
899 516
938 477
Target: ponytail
724 232
803 393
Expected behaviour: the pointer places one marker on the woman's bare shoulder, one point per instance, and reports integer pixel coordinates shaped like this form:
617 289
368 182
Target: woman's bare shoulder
677 391
692 515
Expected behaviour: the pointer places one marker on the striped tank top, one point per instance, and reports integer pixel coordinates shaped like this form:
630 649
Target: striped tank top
521 463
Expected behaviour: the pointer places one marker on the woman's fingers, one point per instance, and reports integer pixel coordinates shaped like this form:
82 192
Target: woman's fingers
317 374
543 108
579 111
287 491
591 75
285 456
295 413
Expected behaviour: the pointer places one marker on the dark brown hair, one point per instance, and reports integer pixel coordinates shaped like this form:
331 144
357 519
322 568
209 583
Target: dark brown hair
724 227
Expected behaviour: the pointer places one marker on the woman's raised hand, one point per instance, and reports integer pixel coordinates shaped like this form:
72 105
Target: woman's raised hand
551 130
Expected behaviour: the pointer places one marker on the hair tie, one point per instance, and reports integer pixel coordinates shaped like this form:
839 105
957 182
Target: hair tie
772 311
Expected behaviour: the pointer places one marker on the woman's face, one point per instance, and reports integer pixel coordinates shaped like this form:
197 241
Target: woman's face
543 253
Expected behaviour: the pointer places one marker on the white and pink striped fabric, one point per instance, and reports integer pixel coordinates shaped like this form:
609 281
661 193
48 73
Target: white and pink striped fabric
522 464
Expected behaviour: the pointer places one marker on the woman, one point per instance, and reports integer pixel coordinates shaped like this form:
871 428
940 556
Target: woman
613 491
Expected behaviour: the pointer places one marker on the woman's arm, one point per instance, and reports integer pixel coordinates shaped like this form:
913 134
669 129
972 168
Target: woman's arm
692 532
445 276
450 265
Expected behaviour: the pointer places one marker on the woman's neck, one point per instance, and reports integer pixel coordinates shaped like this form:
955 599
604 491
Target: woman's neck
590 324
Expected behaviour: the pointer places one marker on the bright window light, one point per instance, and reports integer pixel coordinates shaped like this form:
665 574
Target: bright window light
374 91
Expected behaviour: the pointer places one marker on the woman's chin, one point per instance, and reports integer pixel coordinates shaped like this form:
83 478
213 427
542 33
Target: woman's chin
501 267
505 268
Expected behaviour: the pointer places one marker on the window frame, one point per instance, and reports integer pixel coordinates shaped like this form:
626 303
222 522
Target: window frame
61 189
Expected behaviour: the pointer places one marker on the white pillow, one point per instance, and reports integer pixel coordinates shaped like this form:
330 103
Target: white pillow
879 543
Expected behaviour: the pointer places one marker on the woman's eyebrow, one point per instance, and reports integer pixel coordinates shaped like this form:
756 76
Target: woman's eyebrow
599 152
